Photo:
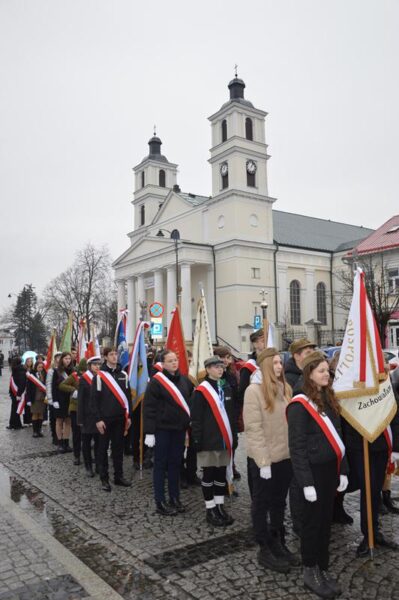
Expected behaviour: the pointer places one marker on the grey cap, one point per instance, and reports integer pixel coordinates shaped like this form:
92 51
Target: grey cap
213 361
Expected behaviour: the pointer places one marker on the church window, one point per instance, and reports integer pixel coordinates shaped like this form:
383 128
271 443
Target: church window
221 222
225 181
224 130
295 302
142 179
142 214
249 129
321 303
251 181
162 178
255 273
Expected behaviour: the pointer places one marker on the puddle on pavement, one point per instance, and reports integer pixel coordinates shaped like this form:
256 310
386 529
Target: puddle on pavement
122 576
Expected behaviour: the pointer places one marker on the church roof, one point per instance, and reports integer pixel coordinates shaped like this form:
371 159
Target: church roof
194 199
312 233
384 238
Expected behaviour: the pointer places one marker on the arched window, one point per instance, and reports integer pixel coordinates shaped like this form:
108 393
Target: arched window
142 179
225 181
321 303
142 214
162 178
224 130
295 302
249 129
251 181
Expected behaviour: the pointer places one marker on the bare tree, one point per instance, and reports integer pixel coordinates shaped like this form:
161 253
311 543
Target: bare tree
384 300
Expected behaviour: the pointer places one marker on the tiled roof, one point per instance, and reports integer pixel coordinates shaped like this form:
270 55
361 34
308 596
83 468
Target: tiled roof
385 237
315 234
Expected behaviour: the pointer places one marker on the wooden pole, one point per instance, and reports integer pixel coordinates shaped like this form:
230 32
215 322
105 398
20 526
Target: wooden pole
368 497
141 439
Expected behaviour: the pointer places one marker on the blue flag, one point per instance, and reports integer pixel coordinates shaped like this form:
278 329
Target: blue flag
138 371
120 340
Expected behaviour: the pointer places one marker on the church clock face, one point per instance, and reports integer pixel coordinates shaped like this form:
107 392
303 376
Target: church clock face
224 169
251 167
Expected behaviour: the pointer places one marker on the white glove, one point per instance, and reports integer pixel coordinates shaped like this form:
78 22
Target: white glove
50 402
149 440
395 456
75 394
310 493
266 472
29 403
56 405
343 483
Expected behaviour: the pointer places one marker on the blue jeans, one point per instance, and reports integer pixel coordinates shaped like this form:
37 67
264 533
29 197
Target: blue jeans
168 455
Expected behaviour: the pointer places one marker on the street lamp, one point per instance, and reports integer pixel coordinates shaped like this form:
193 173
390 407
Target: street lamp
175 236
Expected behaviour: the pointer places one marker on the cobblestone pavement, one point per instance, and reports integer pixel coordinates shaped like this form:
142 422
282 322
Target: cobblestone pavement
142 555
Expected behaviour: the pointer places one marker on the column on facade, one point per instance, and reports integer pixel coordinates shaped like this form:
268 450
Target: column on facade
186 310
121 294
170 293
131 306
210 300
310 312
282 300
158 286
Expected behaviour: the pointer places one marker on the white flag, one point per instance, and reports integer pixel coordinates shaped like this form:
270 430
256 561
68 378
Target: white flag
361 384
202 345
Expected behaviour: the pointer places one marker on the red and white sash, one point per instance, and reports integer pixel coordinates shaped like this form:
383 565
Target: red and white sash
36 381
88 377
75 376
13 387
250 365
158 366
173 390
326 425
116 390
21 404
389 440
219 412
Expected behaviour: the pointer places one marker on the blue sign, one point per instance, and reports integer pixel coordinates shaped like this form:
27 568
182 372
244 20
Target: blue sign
156 329
257 322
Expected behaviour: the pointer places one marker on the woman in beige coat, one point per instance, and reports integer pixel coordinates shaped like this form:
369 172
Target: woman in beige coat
266 429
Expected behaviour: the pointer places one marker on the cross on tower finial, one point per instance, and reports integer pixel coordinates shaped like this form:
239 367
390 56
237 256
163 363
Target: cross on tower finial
155 130
235 70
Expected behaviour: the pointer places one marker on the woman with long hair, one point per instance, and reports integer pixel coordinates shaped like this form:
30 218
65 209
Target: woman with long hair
266 430
16 389
28 364
61 402
320 467
35 395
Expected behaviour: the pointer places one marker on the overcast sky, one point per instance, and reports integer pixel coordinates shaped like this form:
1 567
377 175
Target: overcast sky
82 83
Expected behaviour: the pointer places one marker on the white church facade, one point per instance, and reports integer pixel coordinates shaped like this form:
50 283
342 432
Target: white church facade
233 243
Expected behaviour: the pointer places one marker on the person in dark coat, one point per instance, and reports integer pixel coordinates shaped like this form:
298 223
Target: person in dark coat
35 397
320 468
211 405
166 417
61 402
16 389
299 349
86 418
112 408
1 363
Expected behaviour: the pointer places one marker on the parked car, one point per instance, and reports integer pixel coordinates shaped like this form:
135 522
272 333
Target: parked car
330 351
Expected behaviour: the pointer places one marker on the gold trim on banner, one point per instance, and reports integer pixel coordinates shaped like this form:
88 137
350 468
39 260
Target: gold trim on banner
370 437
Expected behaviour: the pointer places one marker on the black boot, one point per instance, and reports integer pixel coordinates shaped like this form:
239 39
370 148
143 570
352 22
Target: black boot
276 547
313 580
34 427
89 469
67 447
165 510
331 582
61 447
39 427
292 558
389 503
105 485
382 509
363 549
268 560
228 519
177 505
339 514
214 518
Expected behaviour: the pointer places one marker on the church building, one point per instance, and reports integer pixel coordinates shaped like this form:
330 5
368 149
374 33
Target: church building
232 244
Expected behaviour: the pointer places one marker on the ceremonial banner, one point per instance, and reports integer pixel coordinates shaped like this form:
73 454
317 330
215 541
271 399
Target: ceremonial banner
52 349
93 347
82 340
120 339
175 341
66 341
138 371
361 384
202 346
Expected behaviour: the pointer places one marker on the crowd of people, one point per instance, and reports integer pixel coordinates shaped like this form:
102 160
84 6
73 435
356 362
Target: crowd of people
298 445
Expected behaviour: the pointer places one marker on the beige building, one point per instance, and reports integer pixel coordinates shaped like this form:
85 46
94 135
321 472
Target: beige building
233 243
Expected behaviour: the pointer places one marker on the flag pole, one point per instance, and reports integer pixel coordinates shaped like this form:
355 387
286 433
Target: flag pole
370 529
141 439
265 322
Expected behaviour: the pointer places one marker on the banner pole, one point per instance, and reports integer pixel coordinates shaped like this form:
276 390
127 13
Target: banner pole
368 497
141 440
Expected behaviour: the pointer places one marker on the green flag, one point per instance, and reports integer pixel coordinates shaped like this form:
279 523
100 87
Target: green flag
66 340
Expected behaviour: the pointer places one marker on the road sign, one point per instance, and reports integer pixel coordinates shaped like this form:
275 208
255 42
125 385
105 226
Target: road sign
156 309
156 330
257 322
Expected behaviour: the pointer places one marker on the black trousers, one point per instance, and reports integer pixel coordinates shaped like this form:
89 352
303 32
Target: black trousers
114 430
378 465
297 505
76 434
52 422
269 496
317 516
189 464
87 439
15 419
213 482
